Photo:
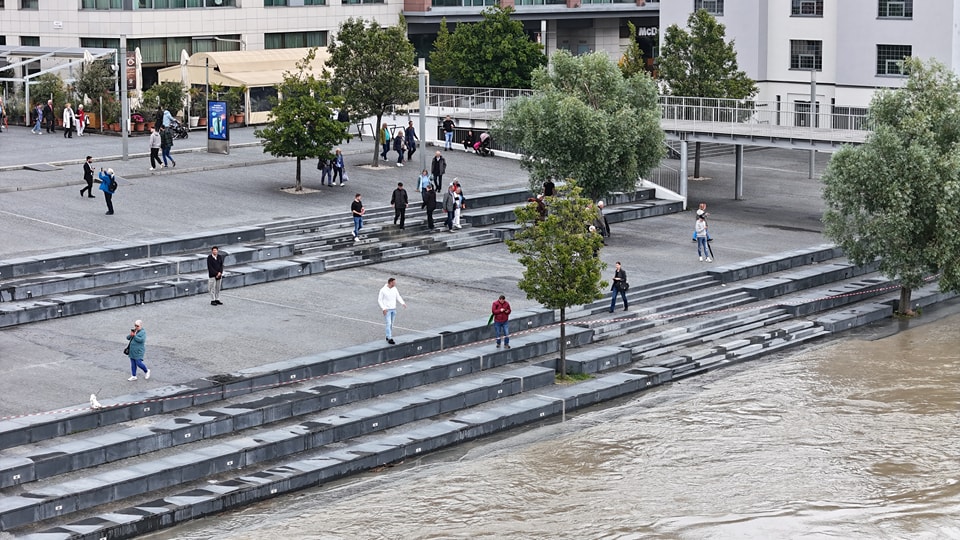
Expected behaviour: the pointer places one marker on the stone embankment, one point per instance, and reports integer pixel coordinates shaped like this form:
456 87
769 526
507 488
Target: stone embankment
148 461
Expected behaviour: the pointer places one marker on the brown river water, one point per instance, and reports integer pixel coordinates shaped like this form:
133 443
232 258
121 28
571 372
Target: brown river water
849 439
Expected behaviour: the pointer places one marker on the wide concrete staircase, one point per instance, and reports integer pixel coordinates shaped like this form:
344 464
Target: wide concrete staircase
88 280
148 461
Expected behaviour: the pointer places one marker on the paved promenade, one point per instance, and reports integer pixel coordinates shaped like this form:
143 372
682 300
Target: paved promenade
59 363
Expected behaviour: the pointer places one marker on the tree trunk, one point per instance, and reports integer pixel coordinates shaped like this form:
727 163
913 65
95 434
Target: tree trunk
905 308
696 160
563 342
376 140
299 184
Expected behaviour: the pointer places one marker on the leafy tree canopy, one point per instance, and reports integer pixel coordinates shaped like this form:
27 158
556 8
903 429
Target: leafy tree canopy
301 122
494 52
700 62
586 121
95 79
165 96
897 197
441 64
632 62
559 253
373 69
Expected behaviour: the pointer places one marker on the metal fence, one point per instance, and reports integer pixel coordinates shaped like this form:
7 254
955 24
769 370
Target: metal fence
792 114
474 103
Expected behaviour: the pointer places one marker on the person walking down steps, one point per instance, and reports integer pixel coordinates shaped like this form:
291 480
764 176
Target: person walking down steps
137 350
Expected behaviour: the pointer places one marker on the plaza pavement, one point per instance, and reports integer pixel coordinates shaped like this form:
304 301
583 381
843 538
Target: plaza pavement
55 364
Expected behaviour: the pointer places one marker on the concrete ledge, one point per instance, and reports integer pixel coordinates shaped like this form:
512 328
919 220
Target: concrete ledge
775 263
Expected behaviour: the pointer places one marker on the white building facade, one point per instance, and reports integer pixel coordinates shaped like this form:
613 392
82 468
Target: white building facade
855 46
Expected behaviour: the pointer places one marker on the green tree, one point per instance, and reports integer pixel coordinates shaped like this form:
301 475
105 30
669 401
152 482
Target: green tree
701 63
50 86
165 96
494 52
896 198
586 121
94 80
560 255
301 121
441 63
373 69
632 63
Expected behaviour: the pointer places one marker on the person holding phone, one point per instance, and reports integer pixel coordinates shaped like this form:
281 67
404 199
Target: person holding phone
138 347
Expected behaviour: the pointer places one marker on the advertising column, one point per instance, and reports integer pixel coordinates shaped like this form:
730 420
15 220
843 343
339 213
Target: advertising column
218 129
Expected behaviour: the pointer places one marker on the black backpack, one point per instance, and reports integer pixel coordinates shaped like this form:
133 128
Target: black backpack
113 185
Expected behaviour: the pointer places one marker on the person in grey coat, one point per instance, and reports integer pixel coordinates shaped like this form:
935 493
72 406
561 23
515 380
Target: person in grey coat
155 144
138 346
449 206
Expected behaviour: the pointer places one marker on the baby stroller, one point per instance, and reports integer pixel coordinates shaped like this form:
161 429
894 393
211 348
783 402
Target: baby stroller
482 146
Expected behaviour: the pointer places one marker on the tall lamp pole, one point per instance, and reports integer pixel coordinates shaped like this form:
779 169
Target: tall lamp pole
124 104
422 82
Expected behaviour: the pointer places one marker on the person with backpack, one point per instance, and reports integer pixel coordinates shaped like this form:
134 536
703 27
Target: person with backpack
108 185
166 144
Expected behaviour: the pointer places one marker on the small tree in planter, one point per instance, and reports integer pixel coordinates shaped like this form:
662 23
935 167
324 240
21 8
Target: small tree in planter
164 96
235 101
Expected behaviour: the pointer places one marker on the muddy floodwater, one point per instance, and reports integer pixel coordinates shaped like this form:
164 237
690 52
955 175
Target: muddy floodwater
855 438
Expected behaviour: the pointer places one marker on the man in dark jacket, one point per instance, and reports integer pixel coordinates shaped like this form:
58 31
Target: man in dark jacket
215 273
430 200
88 177
49 118
166 144
438 166
399 203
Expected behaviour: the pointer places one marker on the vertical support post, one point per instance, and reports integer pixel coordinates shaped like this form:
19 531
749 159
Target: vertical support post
738 174
543 37
683 172
422 82
124 104
813 115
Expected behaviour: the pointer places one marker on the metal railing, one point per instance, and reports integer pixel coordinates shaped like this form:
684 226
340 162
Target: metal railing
765 118
467 102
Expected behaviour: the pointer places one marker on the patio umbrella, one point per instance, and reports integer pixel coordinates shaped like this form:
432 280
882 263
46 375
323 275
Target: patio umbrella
184 59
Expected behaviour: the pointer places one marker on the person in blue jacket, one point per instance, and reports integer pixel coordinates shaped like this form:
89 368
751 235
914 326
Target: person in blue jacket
138 347
106 178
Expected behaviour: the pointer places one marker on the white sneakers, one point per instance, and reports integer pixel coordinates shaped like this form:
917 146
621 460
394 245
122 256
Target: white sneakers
132 378
701 259
708 260
147 375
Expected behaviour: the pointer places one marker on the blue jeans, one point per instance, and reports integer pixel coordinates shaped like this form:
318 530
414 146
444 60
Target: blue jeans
137 363
702 249
357 225
37 128
166 155
613 298
448 139
386 148
388 319
326 172
502 329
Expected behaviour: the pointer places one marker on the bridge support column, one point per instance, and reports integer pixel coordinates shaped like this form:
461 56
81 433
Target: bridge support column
738 174
683 172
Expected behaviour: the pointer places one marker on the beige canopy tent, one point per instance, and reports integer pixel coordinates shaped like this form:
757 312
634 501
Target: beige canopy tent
258 71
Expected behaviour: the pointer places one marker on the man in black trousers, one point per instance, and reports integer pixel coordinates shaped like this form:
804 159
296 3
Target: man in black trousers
399 203
430 200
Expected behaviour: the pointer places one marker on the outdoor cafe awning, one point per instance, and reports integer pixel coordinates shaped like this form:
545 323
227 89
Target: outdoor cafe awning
242 68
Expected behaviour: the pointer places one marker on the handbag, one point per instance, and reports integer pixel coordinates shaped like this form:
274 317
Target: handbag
624 286
126 350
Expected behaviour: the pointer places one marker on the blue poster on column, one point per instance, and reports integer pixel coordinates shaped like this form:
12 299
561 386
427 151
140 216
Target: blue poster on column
217 128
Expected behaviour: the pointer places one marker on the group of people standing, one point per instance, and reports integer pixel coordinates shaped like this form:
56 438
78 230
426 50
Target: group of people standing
73 121
404 142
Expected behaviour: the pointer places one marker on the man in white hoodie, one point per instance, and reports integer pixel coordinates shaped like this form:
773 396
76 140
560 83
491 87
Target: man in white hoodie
388 298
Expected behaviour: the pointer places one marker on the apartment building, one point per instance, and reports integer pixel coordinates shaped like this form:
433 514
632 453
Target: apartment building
854 46
163 28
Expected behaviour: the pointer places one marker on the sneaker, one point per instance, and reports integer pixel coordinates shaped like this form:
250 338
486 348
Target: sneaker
147 374
399 164
506 346
213 302
701 259
174 163
390 341
498 344
132 378
152 169
709 259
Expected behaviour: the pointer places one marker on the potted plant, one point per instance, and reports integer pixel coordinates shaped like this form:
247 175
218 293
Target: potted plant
234 98
198 100
111 113
137 120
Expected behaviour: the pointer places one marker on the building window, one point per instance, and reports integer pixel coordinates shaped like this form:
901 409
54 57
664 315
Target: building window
540 2
30 4
295 40
807 8
890 59
229 42
101 4
268 3
355 2
900 9
713 7
179 4
806 54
